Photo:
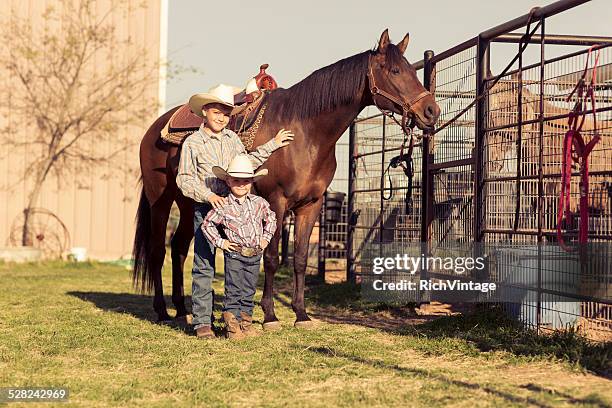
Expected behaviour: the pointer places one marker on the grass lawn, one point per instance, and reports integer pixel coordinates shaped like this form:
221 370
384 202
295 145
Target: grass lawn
81 326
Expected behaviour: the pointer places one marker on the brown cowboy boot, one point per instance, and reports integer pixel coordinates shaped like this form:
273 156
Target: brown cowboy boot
232 327
205 332
247 325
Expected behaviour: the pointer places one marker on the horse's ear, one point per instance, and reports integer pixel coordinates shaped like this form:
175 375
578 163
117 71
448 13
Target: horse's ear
402 45
384 41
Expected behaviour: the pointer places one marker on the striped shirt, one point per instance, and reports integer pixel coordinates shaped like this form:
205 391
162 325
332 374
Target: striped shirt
201 151
245 223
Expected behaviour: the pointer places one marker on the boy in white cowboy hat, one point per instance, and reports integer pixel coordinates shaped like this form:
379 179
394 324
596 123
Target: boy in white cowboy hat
212 145
249 224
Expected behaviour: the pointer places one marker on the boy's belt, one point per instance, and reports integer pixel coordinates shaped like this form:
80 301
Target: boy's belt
248 252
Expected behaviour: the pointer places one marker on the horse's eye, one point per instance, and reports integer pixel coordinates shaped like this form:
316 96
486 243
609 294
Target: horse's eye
395 71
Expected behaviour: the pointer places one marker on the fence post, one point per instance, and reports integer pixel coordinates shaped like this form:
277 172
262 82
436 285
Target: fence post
426 179
427 159
321 252
481 112
350 227
482 69
540 177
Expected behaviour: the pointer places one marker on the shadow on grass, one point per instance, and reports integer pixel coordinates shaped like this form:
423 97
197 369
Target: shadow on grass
424 373
342 303
137 305
489 329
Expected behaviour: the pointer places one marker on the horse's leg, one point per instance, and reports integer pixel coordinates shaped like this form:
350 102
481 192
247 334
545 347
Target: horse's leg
159 218
305 218
271 261
150 237
180 247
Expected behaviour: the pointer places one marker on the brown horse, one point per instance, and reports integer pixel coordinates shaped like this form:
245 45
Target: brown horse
317 110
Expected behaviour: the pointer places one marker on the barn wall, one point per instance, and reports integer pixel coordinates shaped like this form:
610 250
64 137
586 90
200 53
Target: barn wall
99 212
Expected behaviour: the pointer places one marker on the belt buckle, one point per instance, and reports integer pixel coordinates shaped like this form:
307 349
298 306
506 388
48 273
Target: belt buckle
248 252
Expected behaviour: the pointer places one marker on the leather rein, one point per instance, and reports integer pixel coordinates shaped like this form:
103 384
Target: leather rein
405 160
576 149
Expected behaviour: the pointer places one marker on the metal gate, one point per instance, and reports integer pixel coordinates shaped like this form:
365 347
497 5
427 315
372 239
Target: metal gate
492 176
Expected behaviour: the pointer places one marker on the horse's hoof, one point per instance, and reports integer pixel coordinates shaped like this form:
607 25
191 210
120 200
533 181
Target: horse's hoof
305 324
185 319
272 326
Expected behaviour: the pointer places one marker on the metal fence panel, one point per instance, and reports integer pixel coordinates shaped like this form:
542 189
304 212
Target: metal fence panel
494 178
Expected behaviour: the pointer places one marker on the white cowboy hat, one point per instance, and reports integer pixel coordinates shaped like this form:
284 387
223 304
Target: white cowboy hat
223 94
239 167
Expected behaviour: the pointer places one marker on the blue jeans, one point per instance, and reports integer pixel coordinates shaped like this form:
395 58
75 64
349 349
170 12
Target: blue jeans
203 270
241 274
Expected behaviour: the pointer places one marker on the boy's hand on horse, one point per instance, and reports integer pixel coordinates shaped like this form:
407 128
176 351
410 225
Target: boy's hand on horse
230 246
283 137
216 201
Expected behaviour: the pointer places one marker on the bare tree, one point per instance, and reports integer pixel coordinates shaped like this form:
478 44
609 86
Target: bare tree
75 82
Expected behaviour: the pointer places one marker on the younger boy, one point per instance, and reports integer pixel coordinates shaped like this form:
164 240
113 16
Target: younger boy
249 224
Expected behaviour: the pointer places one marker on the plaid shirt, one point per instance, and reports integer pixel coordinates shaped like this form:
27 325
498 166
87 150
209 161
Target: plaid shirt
242 222
200 152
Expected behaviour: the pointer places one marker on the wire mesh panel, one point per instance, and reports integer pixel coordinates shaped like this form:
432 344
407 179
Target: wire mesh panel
513 160
527 121
335 235
455 89
387 200
368 163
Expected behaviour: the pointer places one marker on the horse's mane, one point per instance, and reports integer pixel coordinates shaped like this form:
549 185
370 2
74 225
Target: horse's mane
328 87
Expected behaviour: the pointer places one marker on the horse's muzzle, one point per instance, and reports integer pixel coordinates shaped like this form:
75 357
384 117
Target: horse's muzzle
431 112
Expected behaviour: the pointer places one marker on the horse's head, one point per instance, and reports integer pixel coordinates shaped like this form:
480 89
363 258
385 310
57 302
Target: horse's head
394 85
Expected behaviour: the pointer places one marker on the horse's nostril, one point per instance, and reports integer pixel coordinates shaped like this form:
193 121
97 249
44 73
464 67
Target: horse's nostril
429 111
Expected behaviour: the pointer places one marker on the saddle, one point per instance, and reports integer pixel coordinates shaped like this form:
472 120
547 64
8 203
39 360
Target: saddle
244 121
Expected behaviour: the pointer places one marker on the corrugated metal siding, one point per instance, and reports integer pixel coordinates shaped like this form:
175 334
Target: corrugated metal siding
100 214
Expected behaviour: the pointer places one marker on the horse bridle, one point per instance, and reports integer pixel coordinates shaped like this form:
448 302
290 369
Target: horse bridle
404 160
407 105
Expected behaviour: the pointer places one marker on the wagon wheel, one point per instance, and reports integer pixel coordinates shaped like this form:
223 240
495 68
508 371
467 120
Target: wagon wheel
46 232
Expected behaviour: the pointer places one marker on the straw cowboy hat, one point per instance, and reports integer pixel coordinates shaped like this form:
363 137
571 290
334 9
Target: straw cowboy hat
239 167
223 94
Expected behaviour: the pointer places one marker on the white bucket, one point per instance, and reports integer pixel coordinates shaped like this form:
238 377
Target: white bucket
559 271
79 254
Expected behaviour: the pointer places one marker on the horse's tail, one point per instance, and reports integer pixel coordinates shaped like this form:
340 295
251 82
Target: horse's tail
141 274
